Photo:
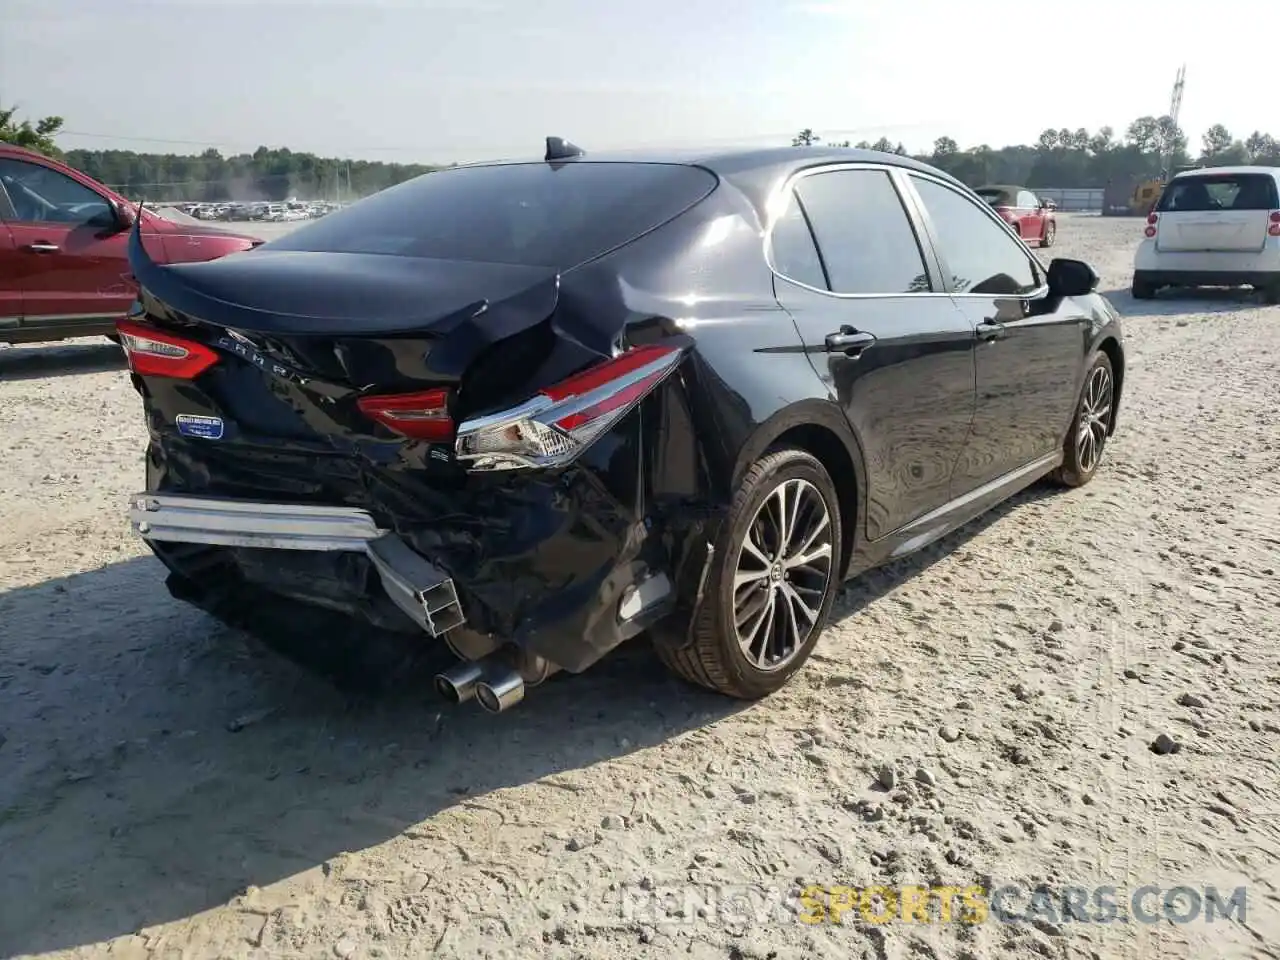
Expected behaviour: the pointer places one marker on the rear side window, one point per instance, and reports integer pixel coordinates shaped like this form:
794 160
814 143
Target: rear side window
534 214
795 255
863 233
1235 191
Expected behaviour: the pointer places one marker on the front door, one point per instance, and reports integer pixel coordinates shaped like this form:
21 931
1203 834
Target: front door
899 359
70 251
1029 345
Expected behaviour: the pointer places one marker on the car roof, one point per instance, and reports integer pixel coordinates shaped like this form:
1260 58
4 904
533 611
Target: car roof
753 170
7 147
1273 172
731 160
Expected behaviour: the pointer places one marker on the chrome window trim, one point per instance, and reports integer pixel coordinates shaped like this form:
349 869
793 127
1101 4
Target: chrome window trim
990 214
781 195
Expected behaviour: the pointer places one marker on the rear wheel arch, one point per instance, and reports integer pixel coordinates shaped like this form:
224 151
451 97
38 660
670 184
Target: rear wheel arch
819 428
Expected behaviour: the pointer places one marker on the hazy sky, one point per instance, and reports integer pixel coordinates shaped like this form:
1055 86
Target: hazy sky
443 80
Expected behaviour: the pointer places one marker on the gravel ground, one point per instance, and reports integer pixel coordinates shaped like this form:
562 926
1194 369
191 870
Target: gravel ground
982 714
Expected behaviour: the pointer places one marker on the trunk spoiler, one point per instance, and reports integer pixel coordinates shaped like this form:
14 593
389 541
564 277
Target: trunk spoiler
473 320
171 289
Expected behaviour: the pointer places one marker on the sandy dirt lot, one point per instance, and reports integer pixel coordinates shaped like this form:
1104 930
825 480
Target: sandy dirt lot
981 714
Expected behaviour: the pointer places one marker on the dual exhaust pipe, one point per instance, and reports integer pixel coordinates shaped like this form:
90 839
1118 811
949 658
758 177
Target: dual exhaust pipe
494 682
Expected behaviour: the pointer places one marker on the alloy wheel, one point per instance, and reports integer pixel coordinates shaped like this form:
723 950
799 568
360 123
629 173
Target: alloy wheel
783 570
1095 417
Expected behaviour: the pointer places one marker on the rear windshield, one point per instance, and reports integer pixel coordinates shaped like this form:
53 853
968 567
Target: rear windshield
1223 191
534 214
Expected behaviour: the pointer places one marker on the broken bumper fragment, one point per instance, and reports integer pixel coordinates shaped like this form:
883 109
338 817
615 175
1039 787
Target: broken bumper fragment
419 588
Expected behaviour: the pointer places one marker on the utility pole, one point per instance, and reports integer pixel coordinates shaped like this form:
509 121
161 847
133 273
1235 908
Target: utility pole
1175 108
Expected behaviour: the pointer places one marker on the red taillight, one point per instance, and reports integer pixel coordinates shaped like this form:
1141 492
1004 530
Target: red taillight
152 352
1153 219
1273 229
418 416
553 427
601 376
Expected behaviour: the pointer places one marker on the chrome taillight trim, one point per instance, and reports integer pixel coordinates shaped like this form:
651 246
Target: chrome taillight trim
546 411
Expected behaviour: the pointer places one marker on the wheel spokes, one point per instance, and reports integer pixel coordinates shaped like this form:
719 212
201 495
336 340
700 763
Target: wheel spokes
1095 412
783 572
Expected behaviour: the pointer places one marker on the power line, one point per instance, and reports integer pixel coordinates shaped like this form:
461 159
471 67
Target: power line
825 133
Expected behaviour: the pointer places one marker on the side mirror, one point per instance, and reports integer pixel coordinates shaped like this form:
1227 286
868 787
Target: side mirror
125 214
1071 278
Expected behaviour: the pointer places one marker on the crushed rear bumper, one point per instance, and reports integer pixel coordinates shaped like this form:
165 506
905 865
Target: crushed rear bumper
419 588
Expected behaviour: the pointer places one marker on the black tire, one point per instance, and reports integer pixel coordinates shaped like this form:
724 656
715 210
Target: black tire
1079 466
1050 234
714 658
1142 290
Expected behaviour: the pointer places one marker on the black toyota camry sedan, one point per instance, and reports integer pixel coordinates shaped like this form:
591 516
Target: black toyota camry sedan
534 409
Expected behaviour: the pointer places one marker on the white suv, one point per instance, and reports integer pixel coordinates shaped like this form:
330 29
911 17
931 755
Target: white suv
1215 227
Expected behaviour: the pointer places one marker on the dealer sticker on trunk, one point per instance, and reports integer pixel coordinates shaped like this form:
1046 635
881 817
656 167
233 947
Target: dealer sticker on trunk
194 425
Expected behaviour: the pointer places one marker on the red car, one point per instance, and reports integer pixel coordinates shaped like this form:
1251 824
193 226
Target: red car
63 242
1030 216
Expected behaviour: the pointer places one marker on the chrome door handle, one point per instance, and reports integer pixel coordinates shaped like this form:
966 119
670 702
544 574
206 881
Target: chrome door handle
848 340
40 246
990 329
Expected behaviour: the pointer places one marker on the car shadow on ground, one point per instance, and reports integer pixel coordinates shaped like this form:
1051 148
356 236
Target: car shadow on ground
36 362
158 763
1176 303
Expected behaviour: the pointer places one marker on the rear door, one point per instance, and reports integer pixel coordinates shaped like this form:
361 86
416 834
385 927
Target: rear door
1030 347
1216 212
898 357
70 250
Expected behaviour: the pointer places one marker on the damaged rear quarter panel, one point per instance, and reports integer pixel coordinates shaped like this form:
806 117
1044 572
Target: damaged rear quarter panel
543 557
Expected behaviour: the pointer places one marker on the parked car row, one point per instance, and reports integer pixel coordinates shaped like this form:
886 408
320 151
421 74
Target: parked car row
260 210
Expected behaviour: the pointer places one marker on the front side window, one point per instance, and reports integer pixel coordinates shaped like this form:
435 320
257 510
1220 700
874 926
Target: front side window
1028 200
863 232
982 257
43 195
995 196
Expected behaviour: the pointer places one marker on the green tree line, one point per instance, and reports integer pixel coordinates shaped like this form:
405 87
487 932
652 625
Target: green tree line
265 174
1059 158
1080 158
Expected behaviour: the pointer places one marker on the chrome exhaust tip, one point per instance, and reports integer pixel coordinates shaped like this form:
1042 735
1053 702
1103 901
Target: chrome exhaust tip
500 691
458 683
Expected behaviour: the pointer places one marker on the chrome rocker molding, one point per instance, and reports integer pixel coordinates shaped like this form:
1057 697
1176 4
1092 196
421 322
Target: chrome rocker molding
414 584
